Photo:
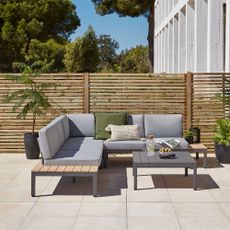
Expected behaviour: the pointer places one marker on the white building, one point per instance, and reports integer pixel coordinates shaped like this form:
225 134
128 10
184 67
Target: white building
192 35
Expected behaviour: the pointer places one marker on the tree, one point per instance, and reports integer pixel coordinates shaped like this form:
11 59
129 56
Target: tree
82 55
21 21
132 8
135 60
107 53
50 51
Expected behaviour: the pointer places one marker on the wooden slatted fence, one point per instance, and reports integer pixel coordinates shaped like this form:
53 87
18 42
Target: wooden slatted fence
192 95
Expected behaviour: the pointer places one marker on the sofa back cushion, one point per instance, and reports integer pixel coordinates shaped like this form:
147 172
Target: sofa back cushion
52 137
137 119
103 119
163 125
81 125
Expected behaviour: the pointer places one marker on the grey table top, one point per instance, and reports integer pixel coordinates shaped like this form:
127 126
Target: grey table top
182 159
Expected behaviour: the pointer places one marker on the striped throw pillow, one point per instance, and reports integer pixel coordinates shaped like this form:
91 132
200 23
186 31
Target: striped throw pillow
123 132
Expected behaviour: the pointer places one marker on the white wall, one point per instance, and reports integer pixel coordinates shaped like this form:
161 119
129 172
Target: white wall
190 36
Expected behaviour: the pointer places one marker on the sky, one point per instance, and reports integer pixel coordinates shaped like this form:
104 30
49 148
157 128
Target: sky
128 32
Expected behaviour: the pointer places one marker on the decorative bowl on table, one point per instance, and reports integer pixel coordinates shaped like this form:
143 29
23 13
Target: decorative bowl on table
166 153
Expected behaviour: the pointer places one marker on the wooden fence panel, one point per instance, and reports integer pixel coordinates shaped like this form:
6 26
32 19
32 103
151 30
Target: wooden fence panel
136 93
192 95
206 109
66 98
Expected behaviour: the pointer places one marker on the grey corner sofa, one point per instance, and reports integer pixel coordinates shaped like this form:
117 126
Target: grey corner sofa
68 146
69 139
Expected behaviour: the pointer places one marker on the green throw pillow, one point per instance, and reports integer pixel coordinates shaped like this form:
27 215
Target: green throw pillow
104 119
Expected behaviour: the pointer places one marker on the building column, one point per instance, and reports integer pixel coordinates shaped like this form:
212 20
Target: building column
170 38
215 36
190 38
227 46
175 41
182 40
201 23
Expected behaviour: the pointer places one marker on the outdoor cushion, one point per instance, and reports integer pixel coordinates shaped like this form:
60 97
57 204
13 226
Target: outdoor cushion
124 145
163 125
123 132
181 146
78 151
81 125
51 138
137 119
102 120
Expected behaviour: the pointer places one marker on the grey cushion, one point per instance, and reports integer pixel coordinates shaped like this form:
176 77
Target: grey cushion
163 125
124 145
52 137
81 125
183 145
137 119
78 151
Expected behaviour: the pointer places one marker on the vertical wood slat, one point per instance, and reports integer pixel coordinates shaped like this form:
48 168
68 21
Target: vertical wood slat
86 92
189 91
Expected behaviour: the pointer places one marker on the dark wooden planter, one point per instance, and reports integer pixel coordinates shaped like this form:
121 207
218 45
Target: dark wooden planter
31 145
222 153
196 136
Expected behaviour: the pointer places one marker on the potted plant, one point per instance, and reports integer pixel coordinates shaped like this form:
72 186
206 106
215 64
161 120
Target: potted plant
222 141
30 100
188 136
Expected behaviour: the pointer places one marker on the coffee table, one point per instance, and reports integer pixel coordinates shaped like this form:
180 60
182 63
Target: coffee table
182 160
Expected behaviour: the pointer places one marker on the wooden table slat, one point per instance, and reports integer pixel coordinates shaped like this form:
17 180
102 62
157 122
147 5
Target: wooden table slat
44 168
69 168
53 168
77 168
93 169
85 168
61 168
37 167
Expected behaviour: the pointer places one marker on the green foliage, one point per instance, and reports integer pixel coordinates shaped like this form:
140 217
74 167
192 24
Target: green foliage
107 53
223 132
82 55
49 51
135 60
32 98
22 21
188 134
132 8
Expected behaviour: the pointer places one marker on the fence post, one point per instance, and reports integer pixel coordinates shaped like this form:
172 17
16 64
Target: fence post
86 92
189 92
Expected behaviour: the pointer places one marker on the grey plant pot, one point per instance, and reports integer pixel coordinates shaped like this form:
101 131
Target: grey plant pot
31 145
222 153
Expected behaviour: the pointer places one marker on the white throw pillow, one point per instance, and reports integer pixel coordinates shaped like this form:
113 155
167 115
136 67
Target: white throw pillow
123 132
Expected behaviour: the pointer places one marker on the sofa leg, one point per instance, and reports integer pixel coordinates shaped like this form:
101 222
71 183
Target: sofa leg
74 179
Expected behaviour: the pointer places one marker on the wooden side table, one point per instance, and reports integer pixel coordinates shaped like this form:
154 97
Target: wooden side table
200 148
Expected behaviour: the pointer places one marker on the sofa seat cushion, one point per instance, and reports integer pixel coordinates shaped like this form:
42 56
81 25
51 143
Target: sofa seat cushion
124 145
183 145
78 151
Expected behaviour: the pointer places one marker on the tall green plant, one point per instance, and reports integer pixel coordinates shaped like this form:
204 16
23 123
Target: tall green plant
223 132
32 98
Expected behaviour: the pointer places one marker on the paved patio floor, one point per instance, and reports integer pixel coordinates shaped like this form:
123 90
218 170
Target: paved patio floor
164 199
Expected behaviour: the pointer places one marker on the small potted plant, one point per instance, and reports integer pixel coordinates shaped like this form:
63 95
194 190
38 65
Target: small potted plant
188 136
222 141
30 100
